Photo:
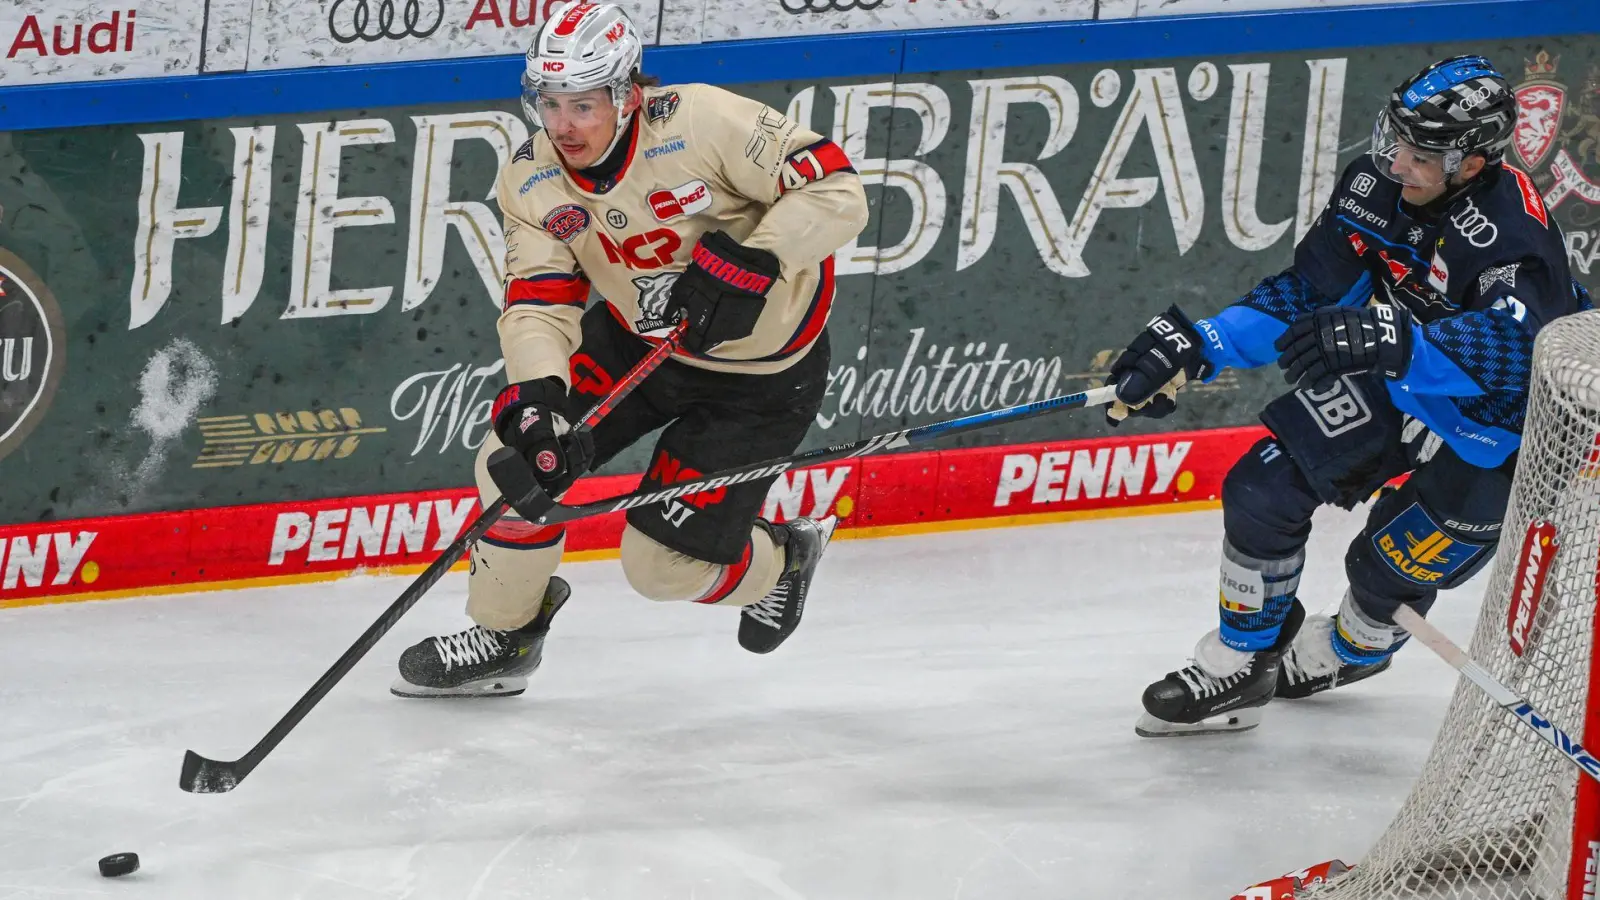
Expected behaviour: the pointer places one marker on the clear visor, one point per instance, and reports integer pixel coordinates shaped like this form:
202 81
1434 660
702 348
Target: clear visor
551 109
1406 164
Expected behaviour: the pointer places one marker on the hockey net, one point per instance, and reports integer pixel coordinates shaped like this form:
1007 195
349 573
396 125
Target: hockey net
1497 813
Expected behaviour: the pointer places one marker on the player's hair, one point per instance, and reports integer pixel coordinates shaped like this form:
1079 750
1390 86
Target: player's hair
642 80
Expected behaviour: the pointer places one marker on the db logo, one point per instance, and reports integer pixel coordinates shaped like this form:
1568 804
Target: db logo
546 461
1336 409
554 65
683 200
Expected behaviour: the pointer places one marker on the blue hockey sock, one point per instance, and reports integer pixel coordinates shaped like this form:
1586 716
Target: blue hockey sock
1255 596
1359 641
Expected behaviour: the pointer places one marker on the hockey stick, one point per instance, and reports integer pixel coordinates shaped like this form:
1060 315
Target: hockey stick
516 479
1436 640
208 776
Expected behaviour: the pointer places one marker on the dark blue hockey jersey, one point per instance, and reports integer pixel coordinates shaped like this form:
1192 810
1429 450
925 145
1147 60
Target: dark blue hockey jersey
1480 278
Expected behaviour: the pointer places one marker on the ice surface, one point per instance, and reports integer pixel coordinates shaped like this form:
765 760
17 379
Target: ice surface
954 719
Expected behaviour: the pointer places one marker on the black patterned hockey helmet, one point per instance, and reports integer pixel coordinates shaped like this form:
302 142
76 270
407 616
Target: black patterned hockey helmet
1452 108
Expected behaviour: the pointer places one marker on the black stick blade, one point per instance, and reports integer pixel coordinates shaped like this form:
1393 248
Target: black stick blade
206 776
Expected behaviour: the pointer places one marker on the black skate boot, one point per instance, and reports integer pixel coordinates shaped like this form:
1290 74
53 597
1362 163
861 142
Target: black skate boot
1224 689
1311 666
766 623
479 662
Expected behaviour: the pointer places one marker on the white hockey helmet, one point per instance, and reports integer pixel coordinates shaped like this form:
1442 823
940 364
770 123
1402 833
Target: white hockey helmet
580 47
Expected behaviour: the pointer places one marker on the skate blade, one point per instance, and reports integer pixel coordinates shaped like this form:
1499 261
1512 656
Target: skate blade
488 687
1223 723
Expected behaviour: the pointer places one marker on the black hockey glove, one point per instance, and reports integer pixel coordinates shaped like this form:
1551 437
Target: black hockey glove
1148 374
1346 340
526 420
722 292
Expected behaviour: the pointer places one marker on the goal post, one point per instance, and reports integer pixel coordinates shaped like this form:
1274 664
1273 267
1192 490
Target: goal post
1497 813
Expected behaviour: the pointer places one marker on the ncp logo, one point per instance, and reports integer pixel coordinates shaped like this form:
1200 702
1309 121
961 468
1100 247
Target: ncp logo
32 350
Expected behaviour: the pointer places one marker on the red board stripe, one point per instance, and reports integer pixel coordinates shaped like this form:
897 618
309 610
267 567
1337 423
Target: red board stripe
46 561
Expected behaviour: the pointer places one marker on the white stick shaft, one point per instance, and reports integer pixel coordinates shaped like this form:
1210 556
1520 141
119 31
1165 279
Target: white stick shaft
1439 643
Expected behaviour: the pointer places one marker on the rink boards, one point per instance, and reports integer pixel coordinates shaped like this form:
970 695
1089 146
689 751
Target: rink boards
247 323
270 543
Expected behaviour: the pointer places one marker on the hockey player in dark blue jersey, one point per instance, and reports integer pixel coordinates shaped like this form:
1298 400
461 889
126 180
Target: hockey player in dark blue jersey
1406 324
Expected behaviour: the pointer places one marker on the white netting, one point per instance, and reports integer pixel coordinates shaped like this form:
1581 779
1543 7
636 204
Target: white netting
1491 815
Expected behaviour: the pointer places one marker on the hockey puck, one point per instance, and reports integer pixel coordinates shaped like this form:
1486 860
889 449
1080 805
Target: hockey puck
119 864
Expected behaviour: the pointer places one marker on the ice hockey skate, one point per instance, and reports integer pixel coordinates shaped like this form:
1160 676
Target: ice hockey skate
1311 667
1223 690
768 622
479 662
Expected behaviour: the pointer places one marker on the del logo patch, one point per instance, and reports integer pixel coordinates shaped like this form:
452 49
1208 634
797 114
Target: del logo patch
661 107
683 200
1417 548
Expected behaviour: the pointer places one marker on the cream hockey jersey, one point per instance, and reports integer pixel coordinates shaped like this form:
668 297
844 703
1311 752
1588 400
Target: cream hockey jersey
700 158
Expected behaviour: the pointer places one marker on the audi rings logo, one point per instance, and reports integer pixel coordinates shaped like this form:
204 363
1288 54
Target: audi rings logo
796 7
357 20
1475 226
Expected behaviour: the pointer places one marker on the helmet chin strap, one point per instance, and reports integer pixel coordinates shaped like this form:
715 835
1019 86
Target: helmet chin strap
623 121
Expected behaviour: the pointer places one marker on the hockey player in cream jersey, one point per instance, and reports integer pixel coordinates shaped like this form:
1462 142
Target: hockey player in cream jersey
682 201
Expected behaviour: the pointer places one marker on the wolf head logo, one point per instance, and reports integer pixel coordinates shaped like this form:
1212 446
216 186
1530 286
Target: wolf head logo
654 290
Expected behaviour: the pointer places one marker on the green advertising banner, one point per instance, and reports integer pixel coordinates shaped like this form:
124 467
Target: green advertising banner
254 310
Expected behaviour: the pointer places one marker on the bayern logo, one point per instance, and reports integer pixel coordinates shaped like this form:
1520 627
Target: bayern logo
566 222
546 461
